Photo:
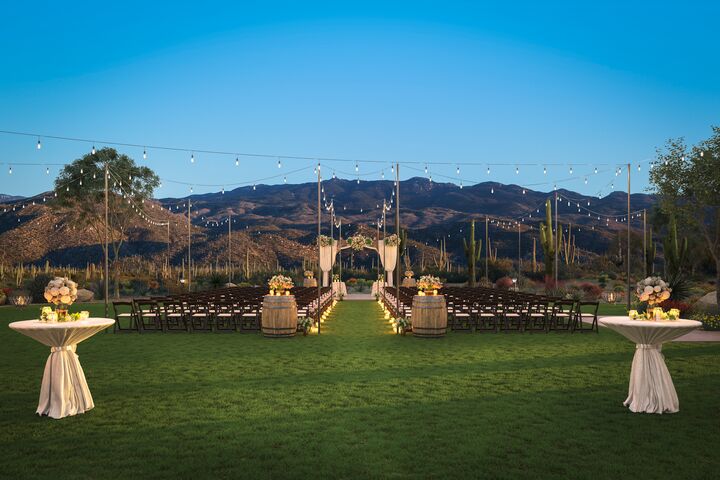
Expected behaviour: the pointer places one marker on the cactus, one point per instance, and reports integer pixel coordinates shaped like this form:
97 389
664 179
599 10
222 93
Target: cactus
472 253
567 245
650 255
547 241
442 260
675 252
534 257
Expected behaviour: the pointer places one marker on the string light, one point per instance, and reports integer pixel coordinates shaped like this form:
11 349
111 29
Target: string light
144 154
10 170
517 170
192 158
544 170
47 170
595 169
279 163
488 170
585 180
457 172
357 167
237 161
426 168
638 167
39 144
570 169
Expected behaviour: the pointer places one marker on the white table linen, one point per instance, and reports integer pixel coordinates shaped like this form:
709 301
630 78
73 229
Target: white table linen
377 287
651 389
64 390
339 288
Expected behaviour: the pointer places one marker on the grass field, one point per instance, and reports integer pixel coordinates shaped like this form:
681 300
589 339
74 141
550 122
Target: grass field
357 401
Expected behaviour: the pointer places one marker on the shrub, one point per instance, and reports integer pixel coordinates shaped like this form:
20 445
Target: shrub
216 281
591 292
682 306
504 283
37 287
709 322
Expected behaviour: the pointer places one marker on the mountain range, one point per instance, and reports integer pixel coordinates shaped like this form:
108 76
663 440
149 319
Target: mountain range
276 224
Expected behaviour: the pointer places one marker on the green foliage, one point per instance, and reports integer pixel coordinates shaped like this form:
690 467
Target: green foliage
709 321
473 251
547 241
216 280
36 288
675 251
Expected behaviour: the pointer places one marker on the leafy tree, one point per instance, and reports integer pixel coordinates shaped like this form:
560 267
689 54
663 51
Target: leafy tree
80 188
687 181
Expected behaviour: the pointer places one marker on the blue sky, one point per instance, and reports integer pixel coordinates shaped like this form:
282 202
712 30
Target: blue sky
455 82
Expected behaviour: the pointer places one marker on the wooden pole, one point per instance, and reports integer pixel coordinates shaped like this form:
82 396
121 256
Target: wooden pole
645 242
168 245
397 231
487 251
384 248
229 247
629 288
319 214
519 253
557 239
340 251
189 243
107 226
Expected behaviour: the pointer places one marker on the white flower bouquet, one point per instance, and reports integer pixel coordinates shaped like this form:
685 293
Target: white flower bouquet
429 283
61 291
358 242
280 283
392 240
652 290
325 241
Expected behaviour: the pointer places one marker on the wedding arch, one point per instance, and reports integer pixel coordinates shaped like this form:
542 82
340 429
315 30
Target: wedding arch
387 250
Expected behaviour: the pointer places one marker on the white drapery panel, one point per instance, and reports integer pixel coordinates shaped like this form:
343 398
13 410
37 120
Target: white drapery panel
391 254
651 388
327 260
64 390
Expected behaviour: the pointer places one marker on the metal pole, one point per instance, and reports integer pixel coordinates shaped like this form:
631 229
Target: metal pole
557 239
107 226
397 231
629 288
645 242
487 251
189 243
319 213
229 247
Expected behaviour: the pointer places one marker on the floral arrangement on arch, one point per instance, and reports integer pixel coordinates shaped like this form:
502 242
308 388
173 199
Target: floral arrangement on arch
359 241
429 282
325 241
652 290
280 283
392 240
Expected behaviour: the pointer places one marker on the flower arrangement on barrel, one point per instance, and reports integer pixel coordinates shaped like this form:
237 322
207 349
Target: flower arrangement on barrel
653 291
280 285
428 285
309 274
61 292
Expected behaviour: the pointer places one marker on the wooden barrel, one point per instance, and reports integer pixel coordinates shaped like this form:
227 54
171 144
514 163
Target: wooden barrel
429 316
279 316
310 282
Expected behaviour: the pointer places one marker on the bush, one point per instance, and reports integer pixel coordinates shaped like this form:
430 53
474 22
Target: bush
591 292
709 322
682 306
504 283
37 287
216 281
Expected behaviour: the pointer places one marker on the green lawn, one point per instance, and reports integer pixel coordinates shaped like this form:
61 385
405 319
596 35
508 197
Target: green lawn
357 402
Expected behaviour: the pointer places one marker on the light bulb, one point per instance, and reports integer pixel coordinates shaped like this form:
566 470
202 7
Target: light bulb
488 170
517 170
284 179
81 171
570 170
544 170
144 154
382 175
460 184
426 168
47 170
358 181
10 171
39 144
595 169
492 190
192 158
457 171
638 167
253 187
279 163
585 180
237 161
523 191
357 168
93 150
333 174
392 168
702 153
223 190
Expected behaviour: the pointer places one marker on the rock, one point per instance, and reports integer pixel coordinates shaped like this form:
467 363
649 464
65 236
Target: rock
230 285
84 295
707 303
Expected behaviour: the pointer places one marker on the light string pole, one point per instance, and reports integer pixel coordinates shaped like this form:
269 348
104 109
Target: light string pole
557 241
397 231
189 244
319 214
487 251
107 226
230 271
645 242
384 259
629 288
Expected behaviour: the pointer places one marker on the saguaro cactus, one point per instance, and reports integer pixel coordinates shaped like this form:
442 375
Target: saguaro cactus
650 255
472 253
675 251
547 241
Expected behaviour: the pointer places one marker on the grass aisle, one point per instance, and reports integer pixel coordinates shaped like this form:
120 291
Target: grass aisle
357 401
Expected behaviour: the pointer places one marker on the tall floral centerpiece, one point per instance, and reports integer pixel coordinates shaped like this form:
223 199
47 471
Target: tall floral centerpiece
653 291
61 292
358 242
429 285
280 285
309 274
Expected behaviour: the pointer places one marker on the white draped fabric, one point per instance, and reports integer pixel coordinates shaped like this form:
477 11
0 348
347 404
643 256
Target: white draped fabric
389 265
339 289
651 388
327 260
64 390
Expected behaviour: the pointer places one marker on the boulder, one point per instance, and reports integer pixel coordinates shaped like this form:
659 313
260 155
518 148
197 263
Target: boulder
707 303
84 295
230 285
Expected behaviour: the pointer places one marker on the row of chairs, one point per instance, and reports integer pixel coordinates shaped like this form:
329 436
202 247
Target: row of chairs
491 310
237 309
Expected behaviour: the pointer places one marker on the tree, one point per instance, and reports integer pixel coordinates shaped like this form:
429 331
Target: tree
80 188
687 182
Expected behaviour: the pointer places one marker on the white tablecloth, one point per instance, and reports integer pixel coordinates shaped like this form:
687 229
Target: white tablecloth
64 390
339 288
376 287
651 388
